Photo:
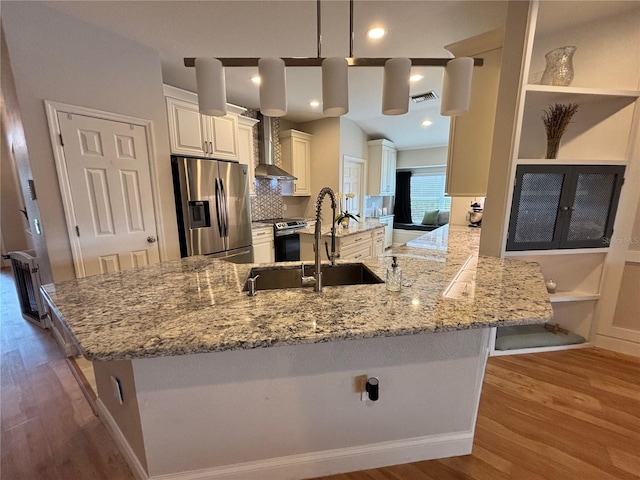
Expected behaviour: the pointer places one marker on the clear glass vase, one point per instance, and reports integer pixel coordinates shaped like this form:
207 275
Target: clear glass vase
559 69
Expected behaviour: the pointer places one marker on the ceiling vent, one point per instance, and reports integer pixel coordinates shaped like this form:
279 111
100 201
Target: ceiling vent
424 97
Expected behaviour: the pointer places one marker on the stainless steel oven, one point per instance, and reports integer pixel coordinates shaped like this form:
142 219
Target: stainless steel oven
287 239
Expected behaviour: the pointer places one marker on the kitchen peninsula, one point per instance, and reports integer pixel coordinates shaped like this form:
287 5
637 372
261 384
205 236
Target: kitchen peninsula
189 389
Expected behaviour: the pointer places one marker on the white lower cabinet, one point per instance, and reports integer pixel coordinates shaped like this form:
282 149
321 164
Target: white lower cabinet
387 221
355 247
379 236
263 247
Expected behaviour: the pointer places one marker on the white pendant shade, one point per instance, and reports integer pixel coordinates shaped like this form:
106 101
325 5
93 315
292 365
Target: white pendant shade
273 87
212 90
335 86
456 87
395 86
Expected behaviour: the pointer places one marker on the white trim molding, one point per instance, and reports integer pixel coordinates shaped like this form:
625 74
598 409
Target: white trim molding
330 462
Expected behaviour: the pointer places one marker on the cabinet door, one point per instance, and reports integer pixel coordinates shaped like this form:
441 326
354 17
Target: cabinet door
564 206
301 152
388 185
388 231
594 193
245 153
186 134
263 245
223 137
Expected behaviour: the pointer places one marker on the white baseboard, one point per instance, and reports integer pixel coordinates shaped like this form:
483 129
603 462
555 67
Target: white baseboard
126 450
331 462
308 465
618 345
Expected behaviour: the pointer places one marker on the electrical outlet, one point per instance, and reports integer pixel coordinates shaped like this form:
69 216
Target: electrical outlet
117 389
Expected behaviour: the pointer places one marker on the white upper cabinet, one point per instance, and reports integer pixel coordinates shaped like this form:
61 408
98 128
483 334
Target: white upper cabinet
381 168
185 128
296 159
246 148
191 133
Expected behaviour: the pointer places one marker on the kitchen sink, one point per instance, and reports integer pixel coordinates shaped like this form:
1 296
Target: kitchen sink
271 278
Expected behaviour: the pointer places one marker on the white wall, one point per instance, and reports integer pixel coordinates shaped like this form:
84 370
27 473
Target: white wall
224 408
57 57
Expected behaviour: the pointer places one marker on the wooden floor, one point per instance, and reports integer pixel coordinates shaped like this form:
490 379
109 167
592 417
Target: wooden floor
564 415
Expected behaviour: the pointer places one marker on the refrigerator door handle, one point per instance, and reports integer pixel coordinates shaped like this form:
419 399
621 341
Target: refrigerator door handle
225 205
218 208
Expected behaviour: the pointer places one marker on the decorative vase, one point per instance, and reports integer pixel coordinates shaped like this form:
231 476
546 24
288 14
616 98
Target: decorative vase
559 69
551 286
344 221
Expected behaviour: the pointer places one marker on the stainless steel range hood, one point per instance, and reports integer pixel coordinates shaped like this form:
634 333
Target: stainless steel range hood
267 167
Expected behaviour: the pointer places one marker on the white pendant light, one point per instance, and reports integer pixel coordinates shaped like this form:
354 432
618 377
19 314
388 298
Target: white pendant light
212 90
456 87
273 87
395 86
335 86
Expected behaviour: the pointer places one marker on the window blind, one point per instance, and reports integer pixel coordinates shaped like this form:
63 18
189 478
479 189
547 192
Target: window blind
427 194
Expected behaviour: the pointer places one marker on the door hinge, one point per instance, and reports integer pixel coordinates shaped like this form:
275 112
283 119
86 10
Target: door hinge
77 230
61 141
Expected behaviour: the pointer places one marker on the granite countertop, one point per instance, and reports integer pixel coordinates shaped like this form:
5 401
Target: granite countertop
354 227
196 304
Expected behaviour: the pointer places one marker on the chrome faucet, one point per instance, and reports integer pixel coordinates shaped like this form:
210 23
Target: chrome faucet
318 235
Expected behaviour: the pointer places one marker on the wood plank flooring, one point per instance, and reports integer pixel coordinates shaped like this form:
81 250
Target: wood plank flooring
569 415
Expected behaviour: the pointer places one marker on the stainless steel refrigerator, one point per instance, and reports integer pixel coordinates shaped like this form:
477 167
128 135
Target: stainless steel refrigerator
212 204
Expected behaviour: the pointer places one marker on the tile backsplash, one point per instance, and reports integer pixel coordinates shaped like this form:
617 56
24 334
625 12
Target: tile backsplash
267 202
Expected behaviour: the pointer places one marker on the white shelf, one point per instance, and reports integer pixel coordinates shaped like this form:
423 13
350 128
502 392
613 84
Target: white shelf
579 93
560 251
560 297
520 351
563 161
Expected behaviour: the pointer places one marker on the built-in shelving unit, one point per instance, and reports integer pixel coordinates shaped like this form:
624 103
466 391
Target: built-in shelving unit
602 132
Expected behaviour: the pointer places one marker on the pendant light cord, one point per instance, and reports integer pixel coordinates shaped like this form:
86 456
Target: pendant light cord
350 28
318 28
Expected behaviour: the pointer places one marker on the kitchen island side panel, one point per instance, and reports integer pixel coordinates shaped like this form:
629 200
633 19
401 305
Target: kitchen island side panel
205 411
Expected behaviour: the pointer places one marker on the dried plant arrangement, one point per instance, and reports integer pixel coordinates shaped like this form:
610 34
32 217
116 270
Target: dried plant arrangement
556 119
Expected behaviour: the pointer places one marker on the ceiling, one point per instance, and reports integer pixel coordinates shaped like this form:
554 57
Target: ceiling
287 28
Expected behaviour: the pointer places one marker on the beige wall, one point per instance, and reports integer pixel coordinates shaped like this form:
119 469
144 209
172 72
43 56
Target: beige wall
13 224
353 140
57 57
325 160
13 140
422 156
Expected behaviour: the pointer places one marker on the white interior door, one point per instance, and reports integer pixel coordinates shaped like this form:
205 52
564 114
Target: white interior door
107 165
352 182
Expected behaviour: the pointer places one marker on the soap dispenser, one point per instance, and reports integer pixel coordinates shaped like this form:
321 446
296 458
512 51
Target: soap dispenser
394 276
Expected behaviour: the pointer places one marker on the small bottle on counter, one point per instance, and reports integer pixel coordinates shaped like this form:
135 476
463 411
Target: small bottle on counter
394 276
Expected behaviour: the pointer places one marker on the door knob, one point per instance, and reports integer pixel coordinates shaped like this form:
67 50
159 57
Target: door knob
151 239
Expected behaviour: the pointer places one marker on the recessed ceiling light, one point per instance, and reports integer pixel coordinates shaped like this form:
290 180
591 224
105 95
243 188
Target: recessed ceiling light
426 123
377 32
416 78
256 79
314 103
